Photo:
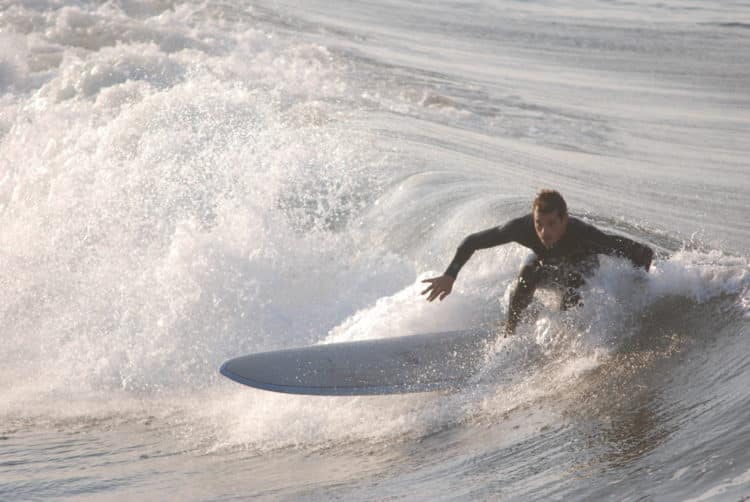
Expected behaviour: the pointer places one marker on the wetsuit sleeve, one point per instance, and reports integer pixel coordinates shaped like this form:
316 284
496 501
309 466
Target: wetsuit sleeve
491 237
615 245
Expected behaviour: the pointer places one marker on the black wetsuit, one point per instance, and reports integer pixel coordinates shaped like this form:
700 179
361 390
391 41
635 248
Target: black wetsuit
565 265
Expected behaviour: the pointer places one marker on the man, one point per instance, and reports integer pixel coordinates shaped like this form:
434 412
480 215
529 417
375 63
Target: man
564 249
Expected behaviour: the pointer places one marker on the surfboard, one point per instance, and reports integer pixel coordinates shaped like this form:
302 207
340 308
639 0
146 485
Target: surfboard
413 363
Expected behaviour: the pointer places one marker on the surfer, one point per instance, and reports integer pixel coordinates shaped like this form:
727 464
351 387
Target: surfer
564 252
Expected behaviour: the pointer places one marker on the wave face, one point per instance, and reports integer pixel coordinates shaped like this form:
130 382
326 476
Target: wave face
185 182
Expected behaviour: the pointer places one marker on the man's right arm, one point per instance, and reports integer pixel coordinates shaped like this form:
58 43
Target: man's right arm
491 237
440 287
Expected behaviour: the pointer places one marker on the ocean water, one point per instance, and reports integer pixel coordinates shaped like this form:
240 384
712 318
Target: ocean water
185 182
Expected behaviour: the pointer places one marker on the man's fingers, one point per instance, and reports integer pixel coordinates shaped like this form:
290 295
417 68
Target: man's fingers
438 293
432 285
435 289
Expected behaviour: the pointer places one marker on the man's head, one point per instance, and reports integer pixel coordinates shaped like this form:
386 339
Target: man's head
550 217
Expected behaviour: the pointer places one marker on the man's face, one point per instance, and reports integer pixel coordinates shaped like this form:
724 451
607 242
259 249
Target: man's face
549 227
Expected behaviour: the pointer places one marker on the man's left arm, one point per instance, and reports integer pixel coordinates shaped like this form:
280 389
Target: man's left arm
640 254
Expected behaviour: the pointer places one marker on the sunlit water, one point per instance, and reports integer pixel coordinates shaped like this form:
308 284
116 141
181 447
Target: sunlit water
181 183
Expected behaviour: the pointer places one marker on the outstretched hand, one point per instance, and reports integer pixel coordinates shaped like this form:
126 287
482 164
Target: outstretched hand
644 256
439 287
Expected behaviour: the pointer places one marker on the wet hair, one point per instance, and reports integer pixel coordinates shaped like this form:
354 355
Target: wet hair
547 201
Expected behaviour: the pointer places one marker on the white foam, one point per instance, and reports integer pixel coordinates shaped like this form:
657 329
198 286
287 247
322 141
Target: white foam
179 187
163 207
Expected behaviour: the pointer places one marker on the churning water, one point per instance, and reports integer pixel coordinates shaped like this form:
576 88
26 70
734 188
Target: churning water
184 182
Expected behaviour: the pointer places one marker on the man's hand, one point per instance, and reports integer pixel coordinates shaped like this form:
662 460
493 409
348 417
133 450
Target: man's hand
643 257
439 287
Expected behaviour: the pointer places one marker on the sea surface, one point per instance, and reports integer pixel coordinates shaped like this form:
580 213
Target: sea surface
182 182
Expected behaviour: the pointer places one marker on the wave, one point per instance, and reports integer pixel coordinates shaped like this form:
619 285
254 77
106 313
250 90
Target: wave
195 187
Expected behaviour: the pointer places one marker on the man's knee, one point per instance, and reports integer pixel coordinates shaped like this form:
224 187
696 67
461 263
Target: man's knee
527 281
530 271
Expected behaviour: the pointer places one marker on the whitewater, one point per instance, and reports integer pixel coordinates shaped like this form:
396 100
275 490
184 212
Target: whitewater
183 182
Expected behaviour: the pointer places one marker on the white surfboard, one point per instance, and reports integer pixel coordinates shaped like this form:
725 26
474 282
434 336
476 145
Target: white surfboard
415 363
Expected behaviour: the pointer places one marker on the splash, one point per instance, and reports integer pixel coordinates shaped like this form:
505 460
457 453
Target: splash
168 197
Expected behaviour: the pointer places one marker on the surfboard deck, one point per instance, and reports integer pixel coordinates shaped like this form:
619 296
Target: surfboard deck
413 363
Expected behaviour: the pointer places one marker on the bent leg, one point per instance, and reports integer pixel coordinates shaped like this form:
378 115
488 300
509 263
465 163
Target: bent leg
523 292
